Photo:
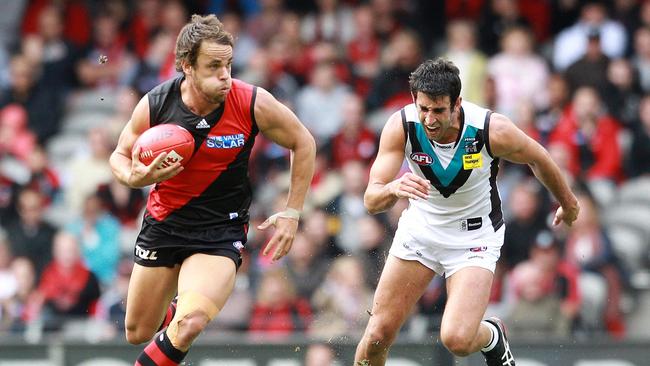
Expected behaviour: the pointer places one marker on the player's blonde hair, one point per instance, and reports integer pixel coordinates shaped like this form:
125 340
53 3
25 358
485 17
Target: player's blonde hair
200 28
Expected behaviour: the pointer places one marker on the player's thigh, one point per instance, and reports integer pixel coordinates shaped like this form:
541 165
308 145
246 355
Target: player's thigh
400 286
151 289
468 294
212 276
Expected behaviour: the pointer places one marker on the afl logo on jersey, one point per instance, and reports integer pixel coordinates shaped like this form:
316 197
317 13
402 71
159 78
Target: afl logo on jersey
421 158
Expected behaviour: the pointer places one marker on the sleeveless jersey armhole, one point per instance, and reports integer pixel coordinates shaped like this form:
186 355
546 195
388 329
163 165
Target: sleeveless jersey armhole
404 124
153 110
486 133
252 112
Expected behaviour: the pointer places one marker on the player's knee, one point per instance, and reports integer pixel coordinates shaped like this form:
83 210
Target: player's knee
457 343
189 327
380 336
193 312
137 335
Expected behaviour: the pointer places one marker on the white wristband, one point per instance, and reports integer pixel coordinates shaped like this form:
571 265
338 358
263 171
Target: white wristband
288 213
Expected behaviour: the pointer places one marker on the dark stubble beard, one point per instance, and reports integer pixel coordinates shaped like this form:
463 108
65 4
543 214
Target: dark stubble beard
217 99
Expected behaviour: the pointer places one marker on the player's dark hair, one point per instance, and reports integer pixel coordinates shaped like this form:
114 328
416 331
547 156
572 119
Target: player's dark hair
199 29
436 78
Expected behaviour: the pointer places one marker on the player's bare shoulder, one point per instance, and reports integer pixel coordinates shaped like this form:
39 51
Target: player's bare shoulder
504 136
140 117
507 140
267 109
393 134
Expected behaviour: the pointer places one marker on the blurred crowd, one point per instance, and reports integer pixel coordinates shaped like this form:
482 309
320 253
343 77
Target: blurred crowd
575 75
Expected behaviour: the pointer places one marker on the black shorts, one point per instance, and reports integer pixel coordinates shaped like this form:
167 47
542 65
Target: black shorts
162 245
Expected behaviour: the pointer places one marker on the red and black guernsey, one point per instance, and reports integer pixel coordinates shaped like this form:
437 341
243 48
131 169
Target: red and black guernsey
214 188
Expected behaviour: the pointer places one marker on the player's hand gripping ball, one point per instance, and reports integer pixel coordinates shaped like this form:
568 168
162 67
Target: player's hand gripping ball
175 140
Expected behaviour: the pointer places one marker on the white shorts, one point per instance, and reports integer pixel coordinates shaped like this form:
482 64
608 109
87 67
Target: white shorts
423 246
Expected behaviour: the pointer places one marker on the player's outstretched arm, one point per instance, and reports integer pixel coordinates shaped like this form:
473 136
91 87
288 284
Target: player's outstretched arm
383 189
509 142
280 125
125 161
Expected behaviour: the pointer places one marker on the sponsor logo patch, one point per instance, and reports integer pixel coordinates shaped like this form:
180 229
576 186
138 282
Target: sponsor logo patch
471 147
239 245
472 161
146 254
225 142
478 249
203 124
421 158
171 158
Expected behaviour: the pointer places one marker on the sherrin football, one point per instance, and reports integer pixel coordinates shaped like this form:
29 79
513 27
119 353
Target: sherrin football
175 140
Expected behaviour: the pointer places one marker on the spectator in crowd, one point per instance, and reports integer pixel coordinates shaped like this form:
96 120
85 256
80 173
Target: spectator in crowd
327 182
264 24
44 105
149 70
432 303
319 228
363 50
67 288
399 58
590 69
571 43
462 51
518 73
589 248
97 232
387 18
559 99
29 234
546 293
623 93
76 16
114 297
107 63
374 242
89 169
15 137
591 137
55 53
173 16
342 301
641 57
246 45
288 53
348 205
305 266
320 354
526 219
318 104
125 100
331 21
23 307
235 315
42 176
497 18
637 162
267 69
277 309
143 25
122 202
354 140
526 117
